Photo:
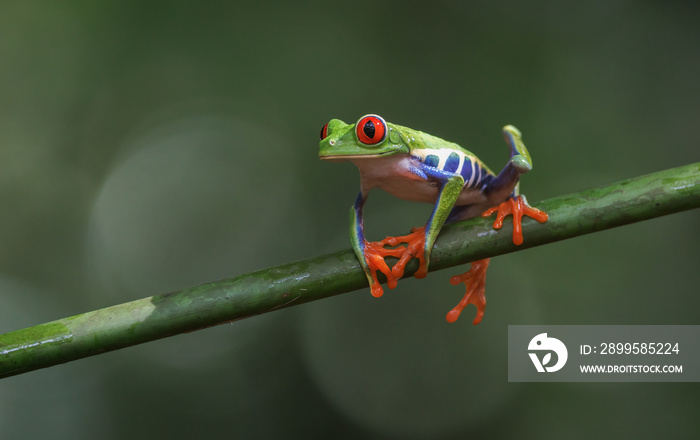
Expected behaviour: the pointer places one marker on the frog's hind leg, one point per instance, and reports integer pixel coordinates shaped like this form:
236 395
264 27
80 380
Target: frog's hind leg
463 212
505 185
500 191
503 191
497 189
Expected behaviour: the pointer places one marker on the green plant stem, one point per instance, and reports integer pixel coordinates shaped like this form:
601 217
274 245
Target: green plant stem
159 316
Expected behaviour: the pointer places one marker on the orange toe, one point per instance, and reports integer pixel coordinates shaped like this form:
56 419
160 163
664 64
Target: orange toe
375 252
475 281
415 248
517 206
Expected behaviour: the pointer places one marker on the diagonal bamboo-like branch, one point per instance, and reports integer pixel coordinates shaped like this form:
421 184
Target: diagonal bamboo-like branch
159 316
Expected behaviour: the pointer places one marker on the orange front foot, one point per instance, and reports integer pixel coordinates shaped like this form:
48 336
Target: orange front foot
517 206
475 280
376 251
415 248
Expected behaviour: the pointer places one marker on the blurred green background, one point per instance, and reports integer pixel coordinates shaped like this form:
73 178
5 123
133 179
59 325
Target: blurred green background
152 146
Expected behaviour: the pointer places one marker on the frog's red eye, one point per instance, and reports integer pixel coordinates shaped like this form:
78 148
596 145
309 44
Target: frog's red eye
371 129
324 132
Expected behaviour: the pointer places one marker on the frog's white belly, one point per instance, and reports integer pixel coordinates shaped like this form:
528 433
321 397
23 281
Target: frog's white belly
394 175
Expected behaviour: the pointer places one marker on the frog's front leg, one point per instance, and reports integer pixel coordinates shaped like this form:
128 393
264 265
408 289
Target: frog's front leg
371 254
421 240
505 187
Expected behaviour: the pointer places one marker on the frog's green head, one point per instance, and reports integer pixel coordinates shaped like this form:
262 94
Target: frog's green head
371 136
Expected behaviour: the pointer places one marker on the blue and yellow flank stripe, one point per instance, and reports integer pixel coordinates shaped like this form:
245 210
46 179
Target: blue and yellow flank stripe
472 170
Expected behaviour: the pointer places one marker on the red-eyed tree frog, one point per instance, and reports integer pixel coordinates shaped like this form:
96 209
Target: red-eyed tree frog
416 166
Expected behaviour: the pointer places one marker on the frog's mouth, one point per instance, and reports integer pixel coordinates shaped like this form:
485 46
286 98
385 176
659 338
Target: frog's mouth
355 156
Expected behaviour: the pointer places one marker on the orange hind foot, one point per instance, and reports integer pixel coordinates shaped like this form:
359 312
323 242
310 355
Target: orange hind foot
475 280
